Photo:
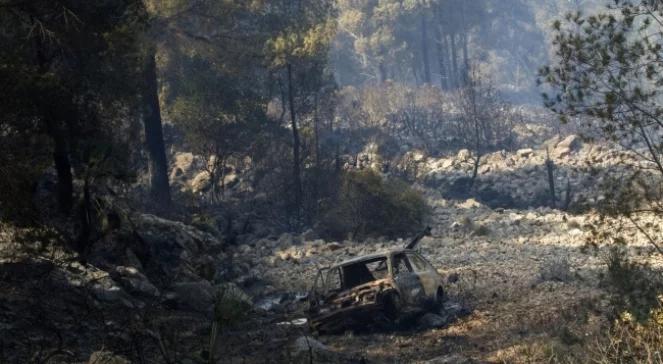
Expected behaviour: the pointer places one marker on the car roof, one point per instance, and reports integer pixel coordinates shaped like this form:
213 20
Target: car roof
381 254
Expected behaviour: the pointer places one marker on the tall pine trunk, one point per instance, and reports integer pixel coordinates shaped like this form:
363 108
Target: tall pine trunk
454 61
296 170
383 72
65 180
441 54
424 48
158 164
466 61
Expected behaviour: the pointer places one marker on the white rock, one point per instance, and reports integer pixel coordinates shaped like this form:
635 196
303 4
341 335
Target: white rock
463 155
525 153
201 182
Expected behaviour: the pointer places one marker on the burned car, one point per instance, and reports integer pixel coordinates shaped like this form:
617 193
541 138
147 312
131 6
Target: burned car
376 287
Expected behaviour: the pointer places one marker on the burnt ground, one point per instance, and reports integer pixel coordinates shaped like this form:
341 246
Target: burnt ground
529 290
531 286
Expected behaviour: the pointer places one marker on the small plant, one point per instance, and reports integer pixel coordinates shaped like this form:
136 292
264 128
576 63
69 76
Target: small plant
556 269
231 307
481 230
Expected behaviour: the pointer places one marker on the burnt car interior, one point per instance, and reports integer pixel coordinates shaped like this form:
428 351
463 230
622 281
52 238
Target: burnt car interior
364 272
401 265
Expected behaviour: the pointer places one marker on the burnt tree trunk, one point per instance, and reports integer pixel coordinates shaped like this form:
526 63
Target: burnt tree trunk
158 163
383 72
454 61
296 170
61 160
441 55
478 142
550 168
424 48
85 216
316 129
466 62
65 189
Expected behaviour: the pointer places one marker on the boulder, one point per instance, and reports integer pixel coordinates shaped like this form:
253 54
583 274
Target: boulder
134 281
567 146
464 155
230 180
195 296
183 164
106 357
334 246
447 163
525 153
572 142
418 156
201 182
171 248
470 203
431 321
107 290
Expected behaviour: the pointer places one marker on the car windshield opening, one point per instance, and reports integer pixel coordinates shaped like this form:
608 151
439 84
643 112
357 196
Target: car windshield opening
364 272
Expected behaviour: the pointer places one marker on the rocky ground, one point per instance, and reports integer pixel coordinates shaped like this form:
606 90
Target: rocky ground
523 285
525 276
530 277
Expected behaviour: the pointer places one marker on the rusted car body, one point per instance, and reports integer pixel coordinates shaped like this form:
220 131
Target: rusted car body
374 287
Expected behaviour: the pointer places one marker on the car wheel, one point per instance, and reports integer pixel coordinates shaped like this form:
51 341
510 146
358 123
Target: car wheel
392 306
440 297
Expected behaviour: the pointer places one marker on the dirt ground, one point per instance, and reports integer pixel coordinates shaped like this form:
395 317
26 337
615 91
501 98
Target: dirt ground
527 277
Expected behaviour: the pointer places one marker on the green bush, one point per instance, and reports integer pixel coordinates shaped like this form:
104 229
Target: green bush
368 205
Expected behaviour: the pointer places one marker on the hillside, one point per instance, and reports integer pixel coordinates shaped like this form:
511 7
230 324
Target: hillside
523 282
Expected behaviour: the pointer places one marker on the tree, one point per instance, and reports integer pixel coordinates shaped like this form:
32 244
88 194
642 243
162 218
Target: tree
302 41
53 70
610 70
174 28
218 114
485 123
68 76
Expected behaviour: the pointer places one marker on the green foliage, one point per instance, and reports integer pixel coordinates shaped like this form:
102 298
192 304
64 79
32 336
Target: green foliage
304 32
609 69
370 206
635 287
231 306
412 41
66 70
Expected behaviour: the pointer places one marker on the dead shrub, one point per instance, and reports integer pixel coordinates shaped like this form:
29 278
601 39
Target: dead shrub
481 230
630 341
634 287
556 268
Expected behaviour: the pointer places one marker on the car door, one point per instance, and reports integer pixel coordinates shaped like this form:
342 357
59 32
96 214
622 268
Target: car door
428 277
407 281
318 289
